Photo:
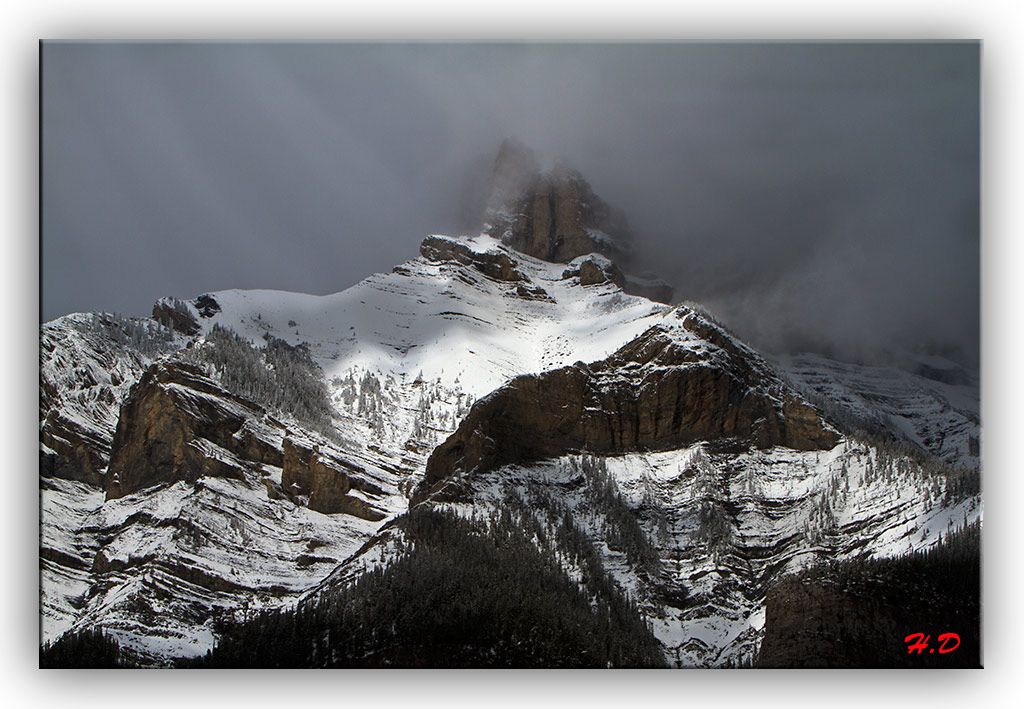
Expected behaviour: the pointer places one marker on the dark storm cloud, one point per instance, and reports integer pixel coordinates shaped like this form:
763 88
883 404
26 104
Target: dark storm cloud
813 196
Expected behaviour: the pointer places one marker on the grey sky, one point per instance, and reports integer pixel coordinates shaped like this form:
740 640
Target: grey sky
814 196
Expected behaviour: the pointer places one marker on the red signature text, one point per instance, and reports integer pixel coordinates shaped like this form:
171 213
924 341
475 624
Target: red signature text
920 643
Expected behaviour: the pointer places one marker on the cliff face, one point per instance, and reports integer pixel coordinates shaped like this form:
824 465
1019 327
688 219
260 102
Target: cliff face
327 483
554 216
668 388
179 425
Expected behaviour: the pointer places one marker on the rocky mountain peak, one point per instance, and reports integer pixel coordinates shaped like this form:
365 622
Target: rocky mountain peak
552 215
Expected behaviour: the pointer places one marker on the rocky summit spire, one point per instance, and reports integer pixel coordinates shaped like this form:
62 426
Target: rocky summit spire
552 215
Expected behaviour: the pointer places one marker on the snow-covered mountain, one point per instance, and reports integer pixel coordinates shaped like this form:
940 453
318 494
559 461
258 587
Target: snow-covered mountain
404 354
258 449
932 403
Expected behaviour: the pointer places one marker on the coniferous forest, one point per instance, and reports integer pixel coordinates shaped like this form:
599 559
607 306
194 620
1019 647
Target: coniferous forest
858 613
464 593
280 376
86 649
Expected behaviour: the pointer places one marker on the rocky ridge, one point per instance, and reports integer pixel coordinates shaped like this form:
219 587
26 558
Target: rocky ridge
683 380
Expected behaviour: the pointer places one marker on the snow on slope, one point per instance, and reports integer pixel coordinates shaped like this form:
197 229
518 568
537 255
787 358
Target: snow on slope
724 526
447 321
406 353
437 336
940 417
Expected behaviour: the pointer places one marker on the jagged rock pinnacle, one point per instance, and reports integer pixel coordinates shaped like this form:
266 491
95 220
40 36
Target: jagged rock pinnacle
552 215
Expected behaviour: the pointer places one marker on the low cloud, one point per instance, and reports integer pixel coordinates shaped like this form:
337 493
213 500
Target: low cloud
814 196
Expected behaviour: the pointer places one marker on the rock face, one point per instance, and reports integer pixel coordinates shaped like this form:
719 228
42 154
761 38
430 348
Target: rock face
671 387
70 450
553 216
595 269
321 479
496 265
179 425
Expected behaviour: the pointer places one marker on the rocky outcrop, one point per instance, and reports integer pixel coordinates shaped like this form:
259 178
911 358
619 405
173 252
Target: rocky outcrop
70 450
322 480
179 425
674 385
554 216
494 264
207 306
594 269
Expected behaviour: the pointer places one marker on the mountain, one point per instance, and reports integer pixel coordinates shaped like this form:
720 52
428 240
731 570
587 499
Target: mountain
556 216
932 403
385 475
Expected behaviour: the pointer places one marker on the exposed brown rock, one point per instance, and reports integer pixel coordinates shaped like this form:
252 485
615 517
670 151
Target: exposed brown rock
657 392
177 424
532 292
556 216
73 452
595 271
553 216
309 473
497 265
85 372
